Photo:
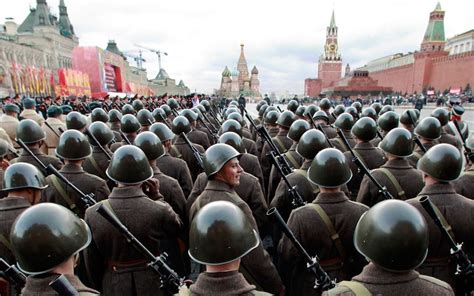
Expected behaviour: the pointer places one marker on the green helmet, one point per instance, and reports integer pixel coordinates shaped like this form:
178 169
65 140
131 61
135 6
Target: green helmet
102 133
408 117
311 142
190 115
46 235
329 169
365 129
162 131
339 109
377 107
369 112
150 144
221 233
29 131
358 106
54 111
262 110
352 111
66 109
201 108
137 105
4 145
159 114
417 112
388 121
94 105
238 117
271 117
297 129
393 235
300 111
385 109
167 109
217 156
398 142
441 114
311 110
180 125
206 104
229 111
231 125
429 128
234 140
145 118
128 109
260 104
470 142
129 165
73 145
172 103
286 119
321 115
292 106
129 124
270 108
234 103
443 162
23 175
99 114
345 121
76 120
115 115
325 104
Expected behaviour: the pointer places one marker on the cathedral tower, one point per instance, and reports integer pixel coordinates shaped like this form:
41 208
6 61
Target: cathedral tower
65 27
330 62
242 68
434 39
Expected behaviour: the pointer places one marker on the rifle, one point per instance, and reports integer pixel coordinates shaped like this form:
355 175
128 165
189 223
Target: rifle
13 151
322 281
467 151
60 129
63 286
164 120
265 136
363 168
196 153
296 199
11 273
52 129
210 122
464 267
319 127
215 117
87 199
213 133
415 138
125 137
170 280
88 133
379 134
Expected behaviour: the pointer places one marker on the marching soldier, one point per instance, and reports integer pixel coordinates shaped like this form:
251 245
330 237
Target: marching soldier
145 118
428 131
51 128
325 105
9 121
408 120
220 236
63 235
222 168
245 131
115 267
344 122
440 166
99 114
397 175
77 121
299 113
97 163
130 127
443 116
321 118
114 122
194 135
395 245
369 112
73 149
29 111
465 184
231 125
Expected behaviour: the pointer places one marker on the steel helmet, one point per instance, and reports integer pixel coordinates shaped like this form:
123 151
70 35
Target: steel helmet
150 144
73 145
129 165
23 175
398 142
311 142
217 156
234 140
443 162
29 131
162 131
365 129
329 169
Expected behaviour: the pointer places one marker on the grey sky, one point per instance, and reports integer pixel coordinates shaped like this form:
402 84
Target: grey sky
283 38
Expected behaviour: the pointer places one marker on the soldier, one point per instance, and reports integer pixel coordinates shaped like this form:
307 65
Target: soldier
97 163
9 121
180 148
29 111
169 165
99 114
395 245
321 118
222 168
325 105
128 109
292 105
194 135
409 119
344 122
299 113
369 112
33 136
114 122
51 128
66 109
115 267
324 227
209 131
440 166
465 184
397 175
231 125
130 127
77 121
364 131
222 254
73 149
443 116
428 131
63 236
145 118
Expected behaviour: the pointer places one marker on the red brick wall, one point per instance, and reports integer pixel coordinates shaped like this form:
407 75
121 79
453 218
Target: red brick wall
312 87
329 73
453 71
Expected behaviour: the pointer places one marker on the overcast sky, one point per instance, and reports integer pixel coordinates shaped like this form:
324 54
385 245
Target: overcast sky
284 39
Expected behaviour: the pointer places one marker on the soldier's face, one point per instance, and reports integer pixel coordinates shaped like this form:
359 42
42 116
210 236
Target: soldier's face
231 172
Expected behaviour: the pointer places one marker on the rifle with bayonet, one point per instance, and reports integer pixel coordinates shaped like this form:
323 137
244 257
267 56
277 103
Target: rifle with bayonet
196 153
211 131
467 151
63 286
358 162
170 281
88 133
87 199
265 136
322 280
215 116
465 268
14 276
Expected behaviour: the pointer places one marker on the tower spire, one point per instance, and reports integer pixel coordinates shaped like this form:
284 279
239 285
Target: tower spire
434 38
65 27
333 20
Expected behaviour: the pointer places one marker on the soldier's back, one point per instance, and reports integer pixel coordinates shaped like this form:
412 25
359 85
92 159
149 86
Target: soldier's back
10 208
177 169
46 159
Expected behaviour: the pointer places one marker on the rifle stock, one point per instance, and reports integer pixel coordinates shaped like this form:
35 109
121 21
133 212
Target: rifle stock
196 153
87 132
63 286
14 276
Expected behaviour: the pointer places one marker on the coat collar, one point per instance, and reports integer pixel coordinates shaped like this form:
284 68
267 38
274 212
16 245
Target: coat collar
399 163
36 151
330 197
282 132
216 185
306 165
438 188
221 283
13 203
371 274
364 146
127 192
71 169
156 170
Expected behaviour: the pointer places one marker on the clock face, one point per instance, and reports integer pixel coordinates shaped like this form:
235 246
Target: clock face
332 47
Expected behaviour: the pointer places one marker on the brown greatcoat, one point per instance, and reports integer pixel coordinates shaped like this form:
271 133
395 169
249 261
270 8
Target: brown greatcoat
459 213
182 150
10 208
465 184
250 146
338 143
250 164
115 266
98 162
450 139
410 180
52 139
313 234
9 123
86 182
178 169
204 130
198 137
256 266
46 159
248 190
117 145
31 114
223 284
381 282
371 156
331 132
272 131
36 286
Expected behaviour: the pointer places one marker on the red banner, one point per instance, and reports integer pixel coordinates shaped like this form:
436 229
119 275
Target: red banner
72 82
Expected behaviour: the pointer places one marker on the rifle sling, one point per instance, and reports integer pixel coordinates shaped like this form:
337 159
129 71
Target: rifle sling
97 168
280 144
332 230
4 241
391 177
357 288
62 193
292 159
442 219
304 174
357 154
176 152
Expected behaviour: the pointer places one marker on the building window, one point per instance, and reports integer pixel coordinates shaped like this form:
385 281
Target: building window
468 46
41 20
455 49
461 48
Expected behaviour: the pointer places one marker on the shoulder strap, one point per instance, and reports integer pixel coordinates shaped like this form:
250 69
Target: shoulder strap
357 288
468 173
97 168
293 161
176 152
417 155
4 241
359 156
391 177
280 143
339 140
332 230
63 194
443 220
304 174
